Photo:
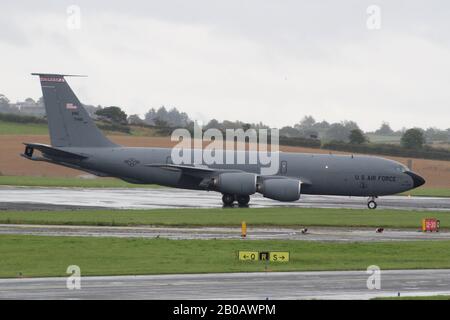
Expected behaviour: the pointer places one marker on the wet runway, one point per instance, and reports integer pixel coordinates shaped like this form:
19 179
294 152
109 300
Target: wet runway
313 234
50 198
270 285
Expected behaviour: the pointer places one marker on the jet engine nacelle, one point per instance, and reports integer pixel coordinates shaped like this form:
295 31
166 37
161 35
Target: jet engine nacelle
236 183
281 189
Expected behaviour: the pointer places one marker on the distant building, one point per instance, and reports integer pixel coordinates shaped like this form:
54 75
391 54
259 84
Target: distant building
29 107
4 108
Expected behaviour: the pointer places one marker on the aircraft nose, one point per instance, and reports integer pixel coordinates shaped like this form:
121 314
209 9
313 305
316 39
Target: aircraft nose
417 180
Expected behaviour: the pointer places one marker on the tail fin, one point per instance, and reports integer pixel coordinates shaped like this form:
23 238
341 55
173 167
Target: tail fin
69 123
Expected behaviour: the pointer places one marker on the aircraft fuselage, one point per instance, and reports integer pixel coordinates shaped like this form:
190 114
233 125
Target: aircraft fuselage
349 175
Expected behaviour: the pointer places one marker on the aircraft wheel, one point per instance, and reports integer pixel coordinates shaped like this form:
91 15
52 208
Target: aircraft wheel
227 199
372 204
243 200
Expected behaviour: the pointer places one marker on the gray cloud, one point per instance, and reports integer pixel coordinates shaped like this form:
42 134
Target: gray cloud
249 60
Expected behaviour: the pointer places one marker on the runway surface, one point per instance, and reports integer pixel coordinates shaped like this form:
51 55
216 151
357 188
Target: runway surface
270 285
313 234
69 198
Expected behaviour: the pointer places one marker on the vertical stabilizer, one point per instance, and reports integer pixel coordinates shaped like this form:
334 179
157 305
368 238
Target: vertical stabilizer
68 121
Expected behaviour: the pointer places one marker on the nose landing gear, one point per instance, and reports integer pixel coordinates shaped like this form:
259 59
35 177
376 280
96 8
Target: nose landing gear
371 204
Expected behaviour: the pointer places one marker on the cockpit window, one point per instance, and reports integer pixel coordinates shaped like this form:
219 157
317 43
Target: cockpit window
401 169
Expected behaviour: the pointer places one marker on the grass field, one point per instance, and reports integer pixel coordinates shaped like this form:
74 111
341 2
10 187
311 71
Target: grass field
376 138
294 217
16 128
429 192
27 181
33 256
13 128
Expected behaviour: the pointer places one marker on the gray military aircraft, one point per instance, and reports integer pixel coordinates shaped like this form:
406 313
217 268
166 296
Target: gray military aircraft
77 143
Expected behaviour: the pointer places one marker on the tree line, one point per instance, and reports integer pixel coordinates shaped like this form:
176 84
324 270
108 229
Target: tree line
307 128
115 118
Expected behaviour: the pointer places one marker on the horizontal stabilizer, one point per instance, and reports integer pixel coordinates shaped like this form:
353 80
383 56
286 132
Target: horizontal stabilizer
50 151
56 75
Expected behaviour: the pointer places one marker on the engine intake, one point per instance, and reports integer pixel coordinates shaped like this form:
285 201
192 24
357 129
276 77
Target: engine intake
281 189
236 183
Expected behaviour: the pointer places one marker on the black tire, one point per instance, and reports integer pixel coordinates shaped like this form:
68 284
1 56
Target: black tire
227 199
243 200
372 205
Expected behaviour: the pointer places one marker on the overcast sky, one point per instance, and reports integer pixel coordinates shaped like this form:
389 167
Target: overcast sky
248 60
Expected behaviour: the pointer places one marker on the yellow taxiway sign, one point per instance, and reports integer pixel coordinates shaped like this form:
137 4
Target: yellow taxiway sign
248 255
273 256
279 256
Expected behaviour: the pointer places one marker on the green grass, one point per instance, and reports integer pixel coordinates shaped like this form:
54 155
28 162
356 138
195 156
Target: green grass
144 131
68 182
13 128
429 192
294 217
16 128
438 297
34 256
376 138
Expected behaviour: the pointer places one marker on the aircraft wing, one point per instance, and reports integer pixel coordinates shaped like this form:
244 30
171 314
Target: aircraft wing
192 170
203 175
203 171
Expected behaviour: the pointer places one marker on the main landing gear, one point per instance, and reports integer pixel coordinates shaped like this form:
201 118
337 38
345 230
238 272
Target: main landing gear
371 204
229 199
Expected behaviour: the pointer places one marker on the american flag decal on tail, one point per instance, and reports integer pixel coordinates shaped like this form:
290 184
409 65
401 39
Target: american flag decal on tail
71 106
